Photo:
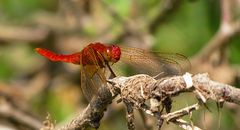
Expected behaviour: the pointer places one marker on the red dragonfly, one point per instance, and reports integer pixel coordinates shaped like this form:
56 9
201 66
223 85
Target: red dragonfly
97 58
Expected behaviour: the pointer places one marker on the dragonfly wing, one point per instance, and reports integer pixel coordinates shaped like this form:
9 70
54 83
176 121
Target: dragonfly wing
175 61
93 76
155 63
92 79
87 87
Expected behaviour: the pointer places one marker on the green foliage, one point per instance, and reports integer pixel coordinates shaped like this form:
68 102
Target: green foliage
6 70
120 6
187 28
52 105
235 51
19 10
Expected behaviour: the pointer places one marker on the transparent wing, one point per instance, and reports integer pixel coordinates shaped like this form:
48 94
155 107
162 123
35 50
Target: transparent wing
92 79
154 63
92 76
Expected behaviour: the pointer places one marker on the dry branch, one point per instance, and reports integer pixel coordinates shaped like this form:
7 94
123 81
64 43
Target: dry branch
12 113
136 90
92 115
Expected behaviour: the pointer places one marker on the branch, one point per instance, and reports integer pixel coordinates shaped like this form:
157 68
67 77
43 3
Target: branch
174 117
138 89
14 114
185 125
92 115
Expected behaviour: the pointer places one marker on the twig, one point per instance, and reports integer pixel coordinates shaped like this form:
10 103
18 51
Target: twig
177 114
174 117
185 125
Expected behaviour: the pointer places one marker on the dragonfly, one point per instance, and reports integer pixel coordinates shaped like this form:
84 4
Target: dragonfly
96 61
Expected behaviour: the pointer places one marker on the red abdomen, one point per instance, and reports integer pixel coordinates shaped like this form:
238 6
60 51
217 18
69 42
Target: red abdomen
72 58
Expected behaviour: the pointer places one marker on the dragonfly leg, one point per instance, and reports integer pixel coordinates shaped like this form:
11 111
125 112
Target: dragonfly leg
159 75
107 63
167 104
114 75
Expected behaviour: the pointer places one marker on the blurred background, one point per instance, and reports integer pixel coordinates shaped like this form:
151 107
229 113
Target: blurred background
31 87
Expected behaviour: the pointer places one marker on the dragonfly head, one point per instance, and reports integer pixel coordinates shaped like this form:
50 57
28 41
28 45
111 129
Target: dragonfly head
113 53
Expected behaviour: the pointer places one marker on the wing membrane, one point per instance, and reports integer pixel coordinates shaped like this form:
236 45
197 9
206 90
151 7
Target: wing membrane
154 63
88 87
93 76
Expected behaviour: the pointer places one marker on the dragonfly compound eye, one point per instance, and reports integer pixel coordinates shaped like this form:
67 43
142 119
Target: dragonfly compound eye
115 53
